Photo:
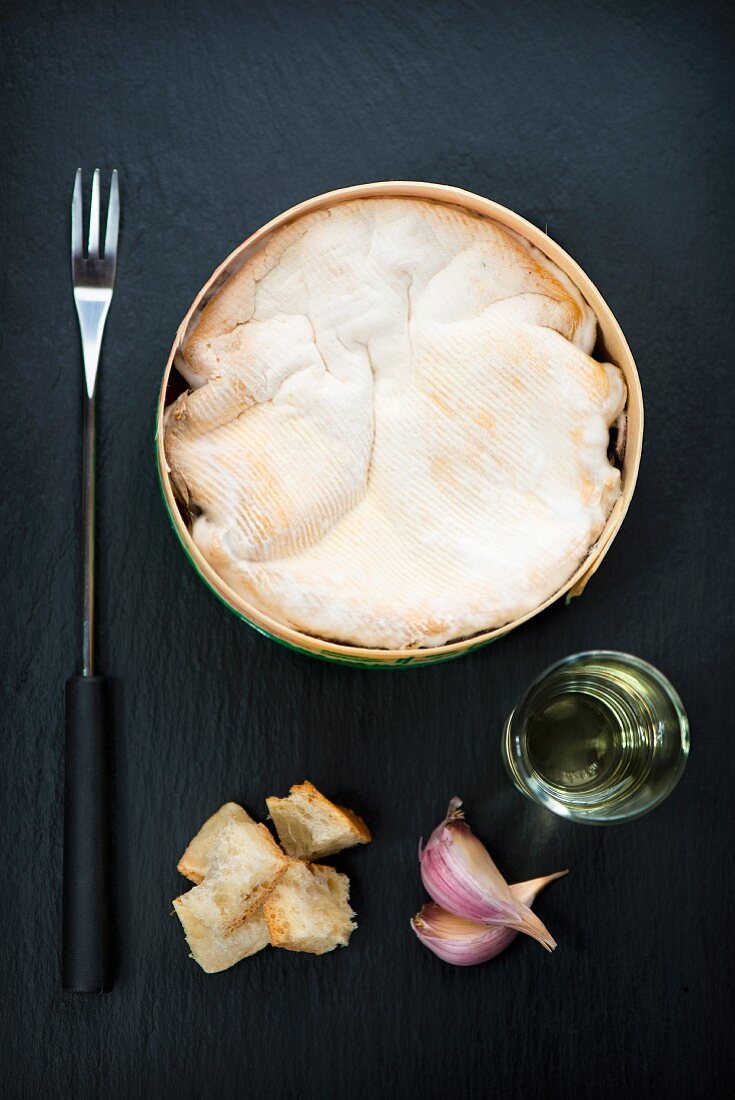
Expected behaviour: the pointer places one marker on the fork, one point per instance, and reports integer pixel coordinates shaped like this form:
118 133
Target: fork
86 965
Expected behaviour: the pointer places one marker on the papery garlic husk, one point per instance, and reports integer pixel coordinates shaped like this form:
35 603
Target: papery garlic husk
465 942
460 876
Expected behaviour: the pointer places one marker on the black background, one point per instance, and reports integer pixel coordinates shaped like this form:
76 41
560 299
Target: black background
610 123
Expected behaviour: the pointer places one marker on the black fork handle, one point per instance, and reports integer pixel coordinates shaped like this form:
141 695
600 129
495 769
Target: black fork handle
86 940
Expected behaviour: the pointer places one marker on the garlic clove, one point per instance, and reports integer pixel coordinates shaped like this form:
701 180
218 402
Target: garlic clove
458 940
465 942
461 877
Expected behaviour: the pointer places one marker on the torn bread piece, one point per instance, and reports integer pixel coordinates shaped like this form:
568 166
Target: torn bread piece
309 910
215 952
194 863
309 826
245 866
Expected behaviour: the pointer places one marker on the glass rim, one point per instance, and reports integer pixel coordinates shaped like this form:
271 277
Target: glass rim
628 658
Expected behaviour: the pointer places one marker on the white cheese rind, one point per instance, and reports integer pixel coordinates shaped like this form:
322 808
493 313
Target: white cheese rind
396 436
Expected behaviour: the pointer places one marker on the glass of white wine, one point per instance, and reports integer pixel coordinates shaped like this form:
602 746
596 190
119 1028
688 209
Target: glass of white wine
599 737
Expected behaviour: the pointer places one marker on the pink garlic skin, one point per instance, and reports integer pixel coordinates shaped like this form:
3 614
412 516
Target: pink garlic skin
459 941
463 942
458 878
461 877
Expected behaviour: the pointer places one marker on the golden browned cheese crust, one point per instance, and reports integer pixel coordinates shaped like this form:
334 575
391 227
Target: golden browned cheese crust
396 435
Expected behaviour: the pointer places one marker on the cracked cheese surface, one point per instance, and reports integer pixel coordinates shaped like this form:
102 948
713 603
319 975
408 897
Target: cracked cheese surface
395 434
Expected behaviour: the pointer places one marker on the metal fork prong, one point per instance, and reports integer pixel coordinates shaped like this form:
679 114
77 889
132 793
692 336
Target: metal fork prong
113 218
76 218
94 216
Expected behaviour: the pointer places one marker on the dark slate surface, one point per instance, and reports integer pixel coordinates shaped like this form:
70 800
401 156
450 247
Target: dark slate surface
610 123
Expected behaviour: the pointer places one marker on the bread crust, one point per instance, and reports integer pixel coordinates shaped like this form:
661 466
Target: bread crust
342 827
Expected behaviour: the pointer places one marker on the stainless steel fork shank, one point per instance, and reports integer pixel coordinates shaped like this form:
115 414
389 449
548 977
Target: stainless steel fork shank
92 305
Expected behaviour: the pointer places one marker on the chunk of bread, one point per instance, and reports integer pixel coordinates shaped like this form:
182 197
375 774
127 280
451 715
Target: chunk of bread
215 952
245 866
194 863
309 826
309 910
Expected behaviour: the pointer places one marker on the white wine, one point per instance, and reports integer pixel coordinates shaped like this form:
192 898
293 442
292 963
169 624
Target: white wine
599 737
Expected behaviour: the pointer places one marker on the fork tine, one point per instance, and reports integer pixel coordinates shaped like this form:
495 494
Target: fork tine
113 218
76 217
94 216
